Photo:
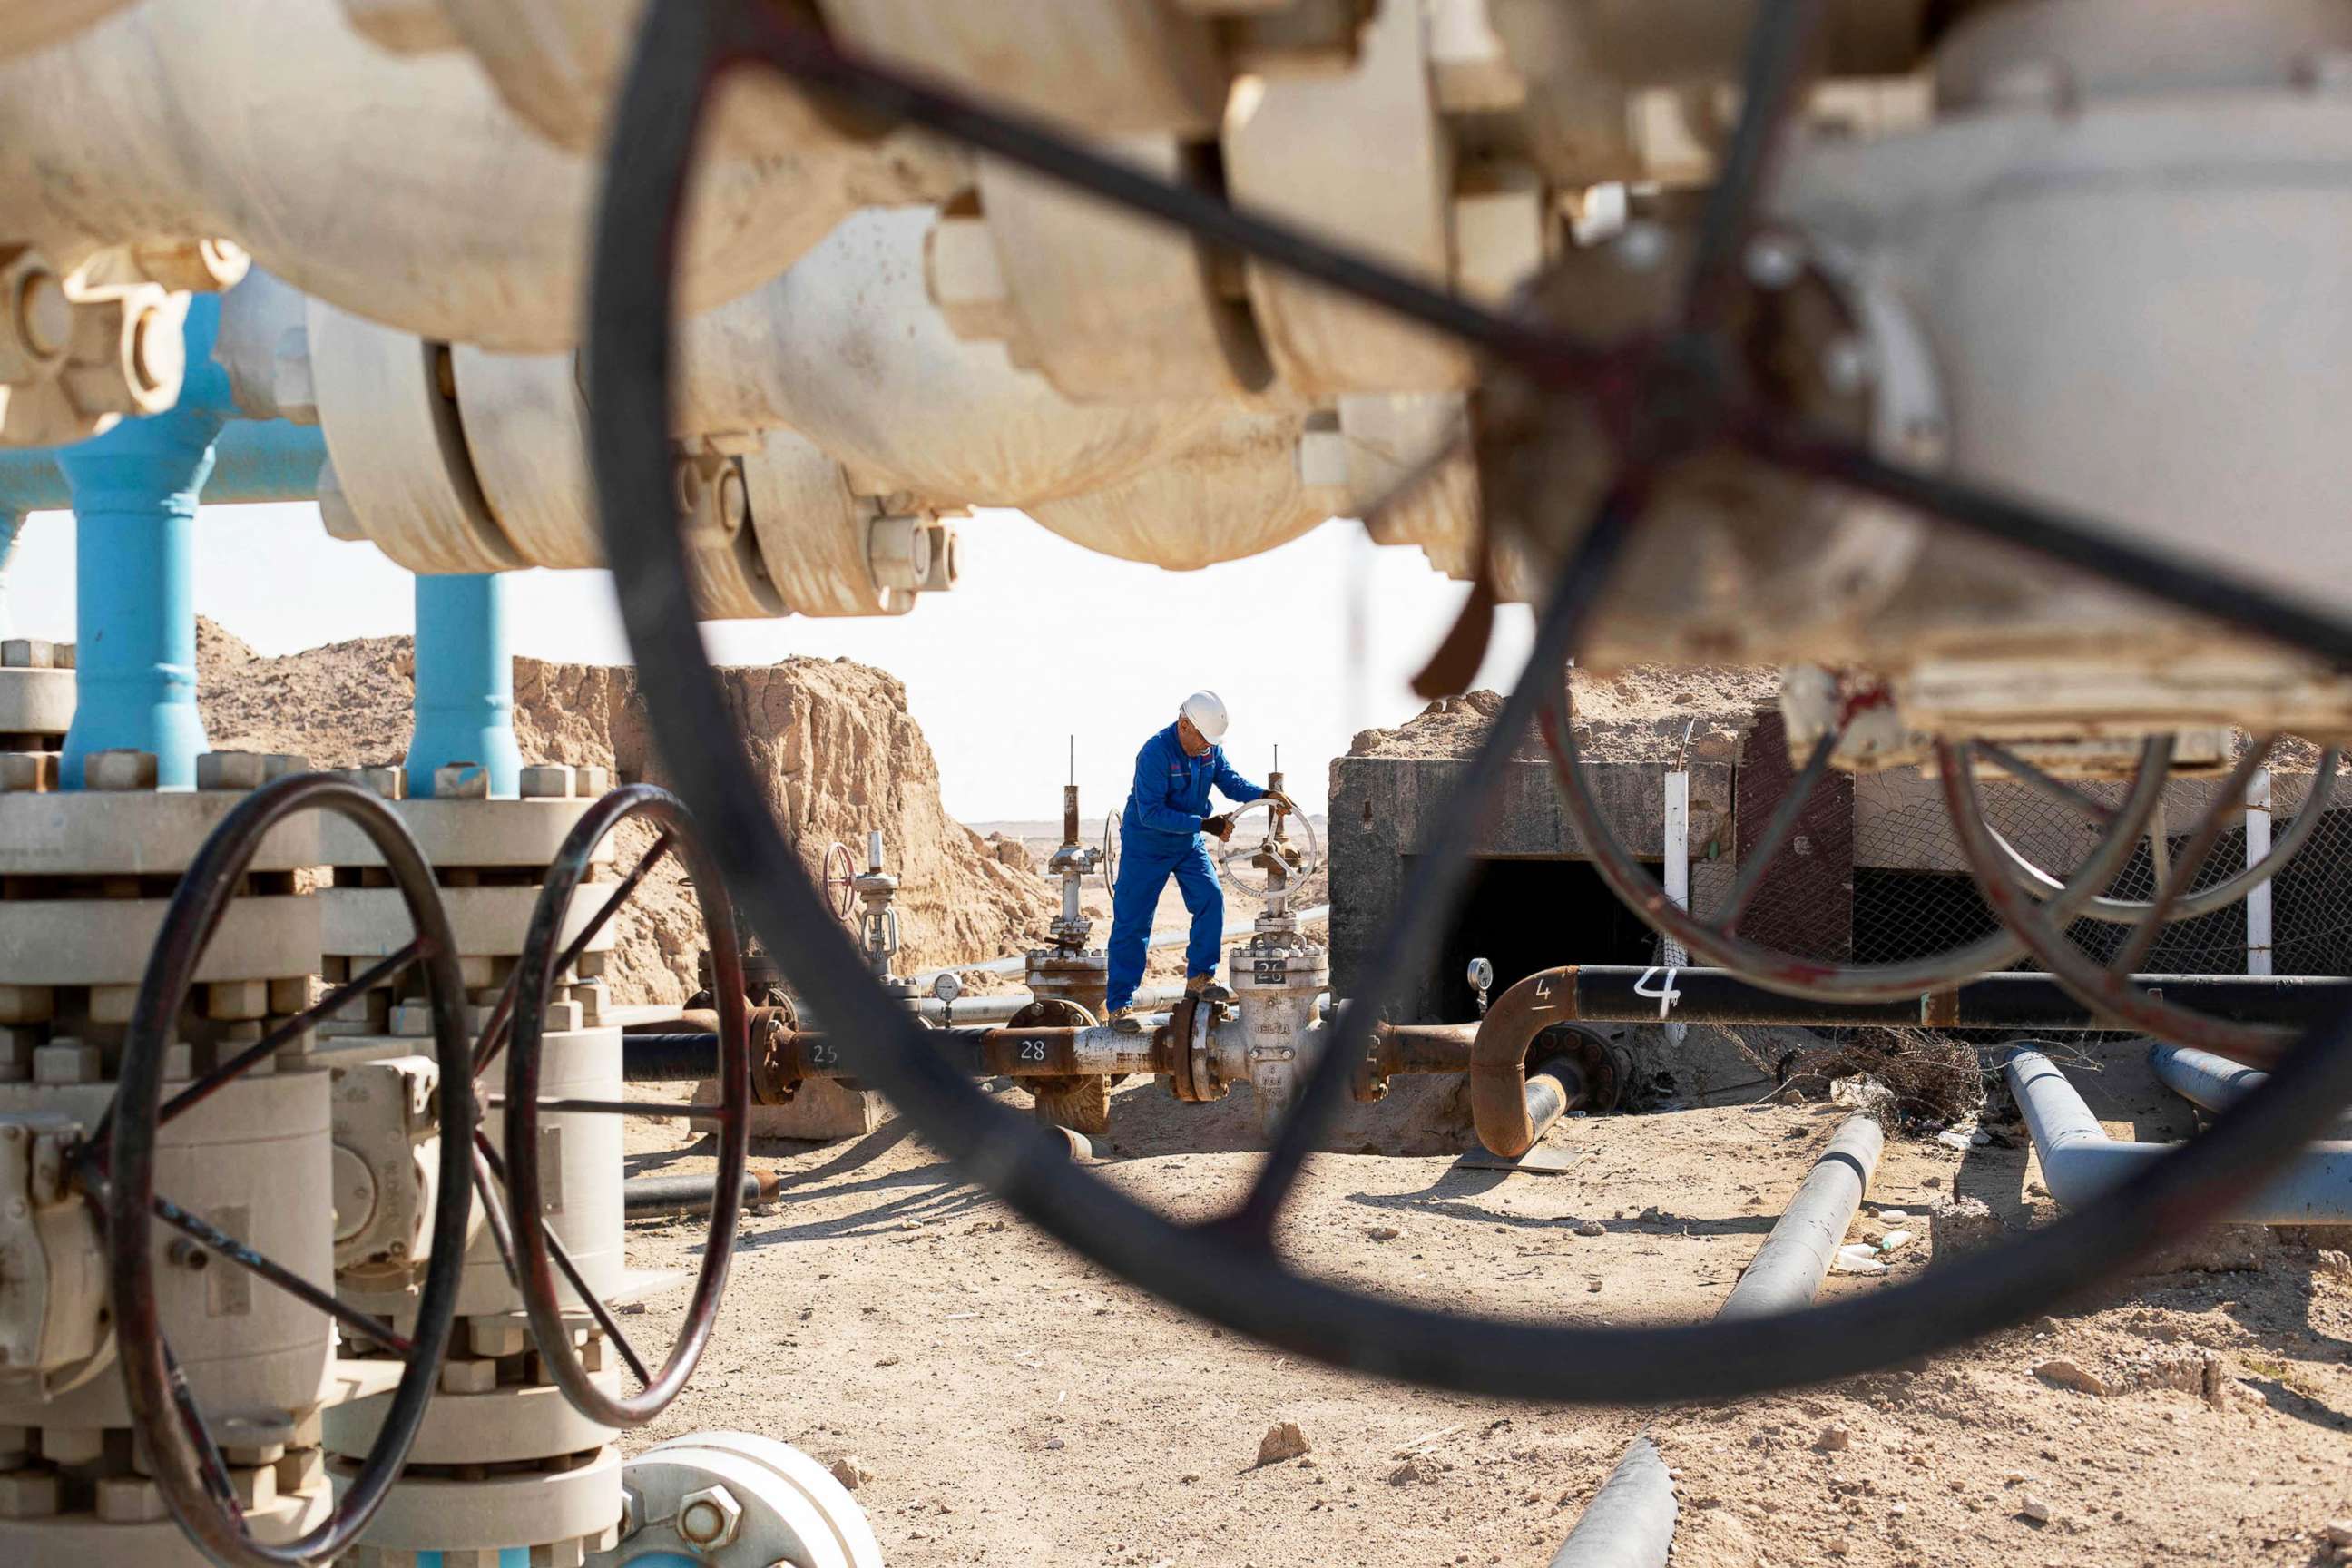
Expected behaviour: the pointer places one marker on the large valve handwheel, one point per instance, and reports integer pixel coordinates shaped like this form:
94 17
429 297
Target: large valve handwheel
840 879
118 1164
1665 399
1237 854
533 1249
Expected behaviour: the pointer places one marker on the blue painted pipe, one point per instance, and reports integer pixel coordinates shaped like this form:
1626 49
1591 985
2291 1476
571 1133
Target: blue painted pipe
254 460
134 496
464 683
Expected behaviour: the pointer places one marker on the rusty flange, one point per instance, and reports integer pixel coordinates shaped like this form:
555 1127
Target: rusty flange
1080 1101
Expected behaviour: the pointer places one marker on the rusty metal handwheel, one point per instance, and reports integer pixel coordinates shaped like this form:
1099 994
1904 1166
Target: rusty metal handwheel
1662 399
118 1167
840 879
2109 989
531 1246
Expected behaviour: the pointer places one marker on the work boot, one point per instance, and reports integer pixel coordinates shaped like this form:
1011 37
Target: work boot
1127 1021
1198 982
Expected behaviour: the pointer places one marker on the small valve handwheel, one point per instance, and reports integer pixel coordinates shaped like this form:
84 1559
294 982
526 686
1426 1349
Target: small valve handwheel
1109 864
118 1164
533 1251
1301 863
840 879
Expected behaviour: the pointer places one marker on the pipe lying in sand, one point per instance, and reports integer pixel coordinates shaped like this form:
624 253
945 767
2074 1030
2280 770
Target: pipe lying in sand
1787 1271
2080 1162
2211 1082
1630 1524
644 1197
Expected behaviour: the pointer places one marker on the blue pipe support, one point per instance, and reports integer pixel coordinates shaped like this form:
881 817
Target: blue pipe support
509 1557
464 683
134 496
254 460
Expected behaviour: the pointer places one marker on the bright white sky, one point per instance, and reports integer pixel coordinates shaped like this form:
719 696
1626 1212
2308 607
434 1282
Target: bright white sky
1040 640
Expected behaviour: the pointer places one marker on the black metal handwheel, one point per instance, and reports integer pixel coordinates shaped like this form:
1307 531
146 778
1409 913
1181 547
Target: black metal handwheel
1663 400
532 1251
119 1164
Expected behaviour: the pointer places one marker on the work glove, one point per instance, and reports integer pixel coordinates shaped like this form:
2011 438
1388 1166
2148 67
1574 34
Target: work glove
1221 826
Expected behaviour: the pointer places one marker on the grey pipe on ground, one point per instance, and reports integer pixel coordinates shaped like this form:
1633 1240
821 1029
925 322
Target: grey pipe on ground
2210 1082
1787 1269
2080 1162
1630 1524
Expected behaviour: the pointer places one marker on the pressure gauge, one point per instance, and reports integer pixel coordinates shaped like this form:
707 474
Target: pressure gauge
946 987
1482 975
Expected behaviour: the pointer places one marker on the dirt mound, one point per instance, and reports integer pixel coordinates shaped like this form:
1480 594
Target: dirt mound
1639 714
831 740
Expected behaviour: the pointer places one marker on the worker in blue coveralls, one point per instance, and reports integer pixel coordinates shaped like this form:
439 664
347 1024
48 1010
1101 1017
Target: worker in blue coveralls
1163 834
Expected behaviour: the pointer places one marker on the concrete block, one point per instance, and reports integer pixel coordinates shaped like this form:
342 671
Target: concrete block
236 999
28 772
230 771
119 769
547 782
66 1062
27 653
461 781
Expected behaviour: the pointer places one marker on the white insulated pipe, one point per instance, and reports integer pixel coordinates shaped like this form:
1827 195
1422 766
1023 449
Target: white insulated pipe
399 187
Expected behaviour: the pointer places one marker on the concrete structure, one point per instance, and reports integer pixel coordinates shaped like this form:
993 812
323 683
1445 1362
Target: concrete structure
1873 875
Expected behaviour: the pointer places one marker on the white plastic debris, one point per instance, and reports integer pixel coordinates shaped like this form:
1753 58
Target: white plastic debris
1858 1259
1892 1239
1953 1138
1893 1216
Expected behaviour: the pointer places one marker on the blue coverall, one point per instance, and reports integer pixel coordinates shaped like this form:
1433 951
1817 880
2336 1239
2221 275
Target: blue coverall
1160 836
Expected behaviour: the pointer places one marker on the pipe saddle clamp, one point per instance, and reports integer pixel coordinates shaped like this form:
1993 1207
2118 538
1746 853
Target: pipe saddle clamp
1536 1016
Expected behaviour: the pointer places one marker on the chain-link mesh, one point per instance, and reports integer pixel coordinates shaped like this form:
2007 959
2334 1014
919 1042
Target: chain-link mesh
1910 895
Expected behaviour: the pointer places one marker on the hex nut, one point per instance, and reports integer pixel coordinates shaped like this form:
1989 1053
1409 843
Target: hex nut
589 781
709 1518
28 772
633 1512
461 781
229 771
122 769
545 782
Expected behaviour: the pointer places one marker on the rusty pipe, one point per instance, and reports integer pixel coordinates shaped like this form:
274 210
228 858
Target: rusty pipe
1534 1016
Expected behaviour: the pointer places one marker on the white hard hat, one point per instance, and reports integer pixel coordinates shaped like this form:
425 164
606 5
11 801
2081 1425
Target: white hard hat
1207 711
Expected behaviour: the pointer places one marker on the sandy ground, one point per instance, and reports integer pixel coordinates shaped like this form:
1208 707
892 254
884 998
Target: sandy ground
1015 1405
